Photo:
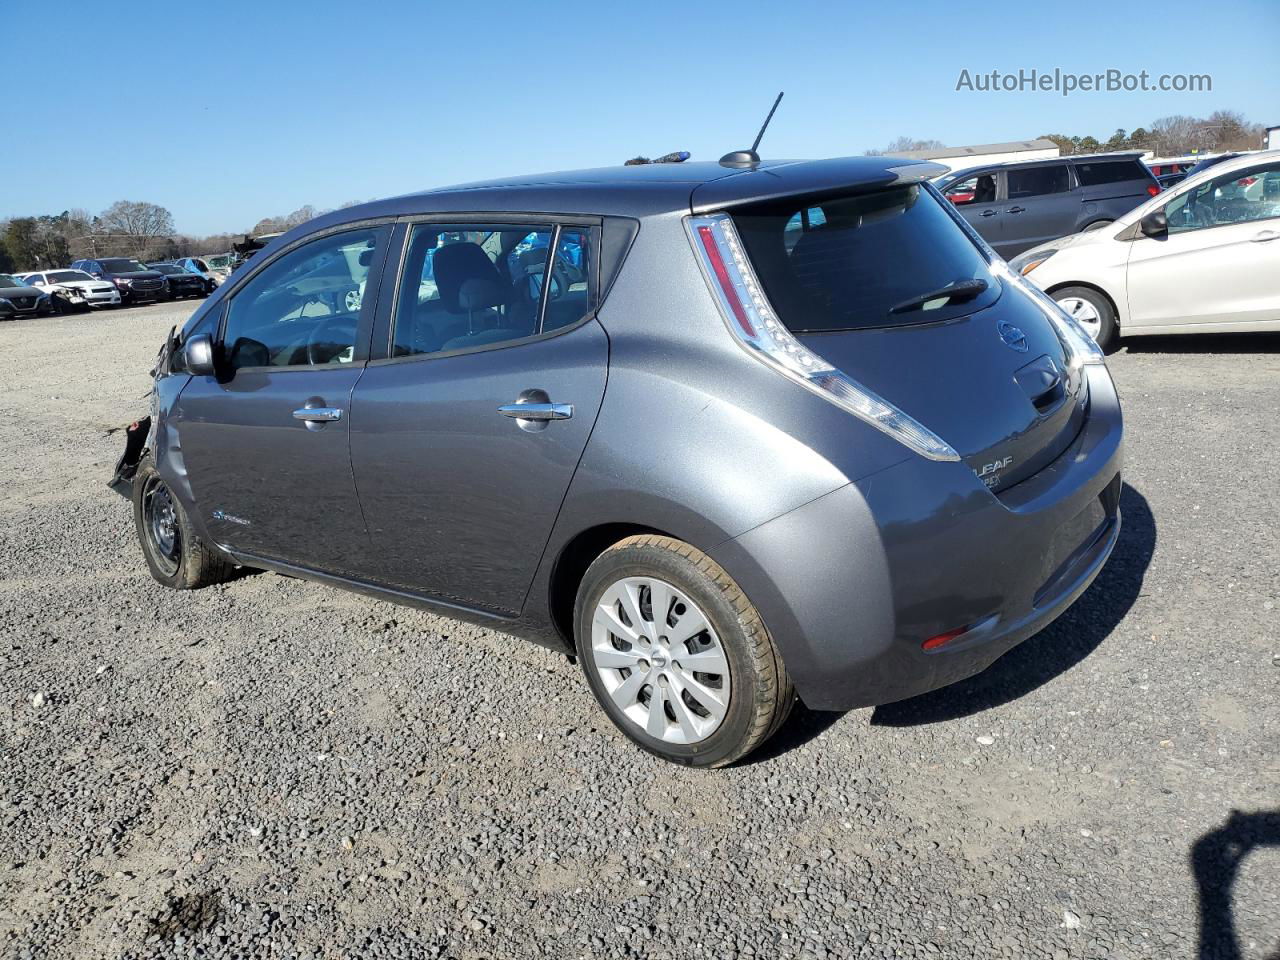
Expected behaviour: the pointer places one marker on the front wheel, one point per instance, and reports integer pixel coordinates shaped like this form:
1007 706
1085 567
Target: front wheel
676 654
1091 310
175 556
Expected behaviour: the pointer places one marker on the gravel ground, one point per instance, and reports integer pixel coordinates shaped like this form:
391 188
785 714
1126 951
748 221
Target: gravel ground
273 768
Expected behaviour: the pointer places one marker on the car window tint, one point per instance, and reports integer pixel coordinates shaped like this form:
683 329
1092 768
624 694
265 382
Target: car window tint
304 308
980 188
1109 171
569 293
1038 181
469 285
1237 197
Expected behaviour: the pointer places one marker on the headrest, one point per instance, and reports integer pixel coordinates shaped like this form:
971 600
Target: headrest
454 264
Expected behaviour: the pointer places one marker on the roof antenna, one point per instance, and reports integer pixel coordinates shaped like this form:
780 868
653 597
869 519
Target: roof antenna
745 158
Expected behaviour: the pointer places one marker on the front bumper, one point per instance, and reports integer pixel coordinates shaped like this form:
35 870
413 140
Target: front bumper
852 584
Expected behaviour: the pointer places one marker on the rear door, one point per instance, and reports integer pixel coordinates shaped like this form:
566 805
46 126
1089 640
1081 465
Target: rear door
1221 259
468 429
1110 188
266 441
1039 207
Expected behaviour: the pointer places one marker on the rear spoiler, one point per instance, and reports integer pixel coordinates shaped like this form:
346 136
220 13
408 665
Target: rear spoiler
843 175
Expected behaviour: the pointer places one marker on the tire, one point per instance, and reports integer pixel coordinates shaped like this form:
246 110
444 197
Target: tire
1097 225
695 727
182 561
1088 302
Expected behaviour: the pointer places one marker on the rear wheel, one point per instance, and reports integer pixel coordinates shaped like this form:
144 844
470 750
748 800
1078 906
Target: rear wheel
1091 310
175 556
676 654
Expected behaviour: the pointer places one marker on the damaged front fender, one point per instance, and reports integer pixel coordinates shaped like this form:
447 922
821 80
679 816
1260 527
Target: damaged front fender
136 437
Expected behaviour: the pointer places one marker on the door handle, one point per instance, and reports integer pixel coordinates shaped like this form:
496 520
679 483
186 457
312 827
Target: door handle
318 414
987 213
1017 209
537 411
1265 236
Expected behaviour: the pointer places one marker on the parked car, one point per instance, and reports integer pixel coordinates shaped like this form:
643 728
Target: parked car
201 266
74 288
136 283
1202 258
1015 206
180 282
699 468
1202 165
20 299
1167 180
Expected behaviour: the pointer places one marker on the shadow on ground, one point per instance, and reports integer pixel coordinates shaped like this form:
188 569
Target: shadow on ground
1205 343
1216 859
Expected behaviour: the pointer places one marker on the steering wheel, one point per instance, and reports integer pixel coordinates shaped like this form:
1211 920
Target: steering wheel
560 281
332 340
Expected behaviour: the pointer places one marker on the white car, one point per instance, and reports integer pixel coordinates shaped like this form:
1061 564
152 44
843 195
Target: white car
1202 257
75 286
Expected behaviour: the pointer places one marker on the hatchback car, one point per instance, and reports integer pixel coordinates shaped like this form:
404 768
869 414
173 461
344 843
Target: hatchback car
1201 258
1015 206
136 283
727 434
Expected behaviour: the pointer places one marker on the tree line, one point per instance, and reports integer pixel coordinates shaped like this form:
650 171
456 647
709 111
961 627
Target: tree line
1172 136
127 228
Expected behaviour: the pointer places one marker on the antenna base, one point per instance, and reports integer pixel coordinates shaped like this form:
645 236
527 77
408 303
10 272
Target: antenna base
740 158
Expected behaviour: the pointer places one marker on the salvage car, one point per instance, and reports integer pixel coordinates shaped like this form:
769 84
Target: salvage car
180 282
19 299
75 289
204 268
1015 206
1202 258
695 465
136 283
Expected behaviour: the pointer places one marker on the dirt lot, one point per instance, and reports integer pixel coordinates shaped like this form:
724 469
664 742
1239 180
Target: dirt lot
274 768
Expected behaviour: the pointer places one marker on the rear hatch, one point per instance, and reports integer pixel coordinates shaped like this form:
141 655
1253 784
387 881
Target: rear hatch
886 286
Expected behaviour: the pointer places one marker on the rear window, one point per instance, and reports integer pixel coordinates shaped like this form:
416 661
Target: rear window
846 263
1037 181
1110 171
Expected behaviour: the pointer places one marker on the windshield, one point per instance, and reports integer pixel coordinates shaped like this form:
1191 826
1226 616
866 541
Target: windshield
168 268
864 260
68 276
8 281
121 265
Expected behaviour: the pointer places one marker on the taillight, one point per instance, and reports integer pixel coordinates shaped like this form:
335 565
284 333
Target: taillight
1153 189
756 327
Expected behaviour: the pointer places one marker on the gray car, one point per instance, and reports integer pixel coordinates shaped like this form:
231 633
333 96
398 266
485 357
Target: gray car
727 434
1016 206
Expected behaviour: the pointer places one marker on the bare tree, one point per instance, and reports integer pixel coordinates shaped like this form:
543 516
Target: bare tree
906 144
139 225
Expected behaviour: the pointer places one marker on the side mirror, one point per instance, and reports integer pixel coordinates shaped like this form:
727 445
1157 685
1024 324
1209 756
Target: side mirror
197 355
1155 225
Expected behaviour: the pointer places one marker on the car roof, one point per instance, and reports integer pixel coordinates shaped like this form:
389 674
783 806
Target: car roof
967 172
643 189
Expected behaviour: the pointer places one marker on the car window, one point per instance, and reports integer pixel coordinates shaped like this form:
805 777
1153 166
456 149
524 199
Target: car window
1102 172
303 309
569 294
1037 181
869 262
980 188
1237 197
470 285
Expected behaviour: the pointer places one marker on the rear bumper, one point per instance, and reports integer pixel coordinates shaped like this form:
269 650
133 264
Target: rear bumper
852 584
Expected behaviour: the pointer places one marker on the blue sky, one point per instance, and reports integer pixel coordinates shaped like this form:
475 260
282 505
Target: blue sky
253 109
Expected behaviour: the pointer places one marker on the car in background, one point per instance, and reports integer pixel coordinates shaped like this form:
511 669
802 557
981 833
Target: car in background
717 499
203 267
180 282
75 288
20 299
1015 206
1202 258
1167 180
136 283
1202 165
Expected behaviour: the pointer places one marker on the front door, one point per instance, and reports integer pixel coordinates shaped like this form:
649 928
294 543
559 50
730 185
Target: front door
1220 259
265 442
465 438
975 199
